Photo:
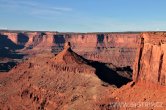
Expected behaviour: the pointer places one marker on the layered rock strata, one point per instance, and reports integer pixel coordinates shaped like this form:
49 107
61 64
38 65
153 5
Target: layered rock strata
116 48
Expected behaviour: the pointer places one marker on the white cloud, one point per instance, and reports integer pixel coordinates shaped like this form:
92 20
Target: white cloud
32 7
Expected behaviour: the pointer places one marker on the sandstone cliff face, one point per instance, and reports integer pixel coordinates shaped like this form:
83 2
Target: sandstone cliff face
150 65
116 48
39 40
12 36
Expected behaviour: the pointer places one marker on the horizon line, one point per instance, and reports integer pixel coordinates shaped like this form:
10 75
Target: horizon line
19 30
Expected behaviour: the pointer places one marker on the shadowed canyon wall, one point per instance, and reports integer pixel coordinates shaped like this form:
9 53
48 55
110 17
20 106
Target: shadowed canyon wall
150 64
116 48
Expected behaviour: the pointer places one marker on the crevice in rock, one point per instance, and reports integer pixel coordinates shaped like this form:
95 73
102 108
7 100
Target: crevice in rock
160 66
150 54
139 59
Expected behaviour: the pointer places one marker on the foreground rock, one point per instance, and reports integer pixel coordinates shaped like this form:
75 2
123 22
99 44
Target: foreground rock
150 65
45 81
147 91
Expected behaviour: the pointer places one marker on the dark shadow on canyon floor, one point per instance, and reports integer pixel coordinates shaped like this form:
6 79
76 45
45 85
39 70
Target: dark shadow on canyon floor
108 75
8 48
5 67
7 43
8 52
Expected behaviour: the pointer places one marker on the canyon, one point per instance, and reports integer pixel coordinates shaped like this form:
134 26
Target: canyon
103 47
56 70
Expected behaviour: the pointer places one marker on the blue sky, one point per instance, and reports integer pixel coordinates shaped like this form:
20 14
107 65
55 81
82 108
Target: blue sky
83 15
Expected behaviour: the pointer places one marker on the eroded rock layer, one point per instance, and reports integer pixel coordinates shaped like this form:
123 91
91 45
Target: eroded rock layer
150 65
116 48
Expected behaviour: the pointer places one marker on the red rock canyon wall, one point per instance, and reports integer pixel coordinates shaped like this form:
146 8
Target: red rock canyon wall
150 64
116 48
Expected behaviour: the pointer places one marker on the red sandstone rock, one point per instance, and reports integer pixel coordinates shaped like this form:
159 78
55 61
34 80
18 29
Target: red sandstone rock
47 82
42 83
150 65
12 36
67 56
68 60
106 47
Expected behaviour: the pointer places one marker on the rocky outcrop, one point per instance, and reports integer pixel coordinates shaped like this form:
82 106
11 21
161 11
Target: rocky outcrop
69 61
150 64
38 85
